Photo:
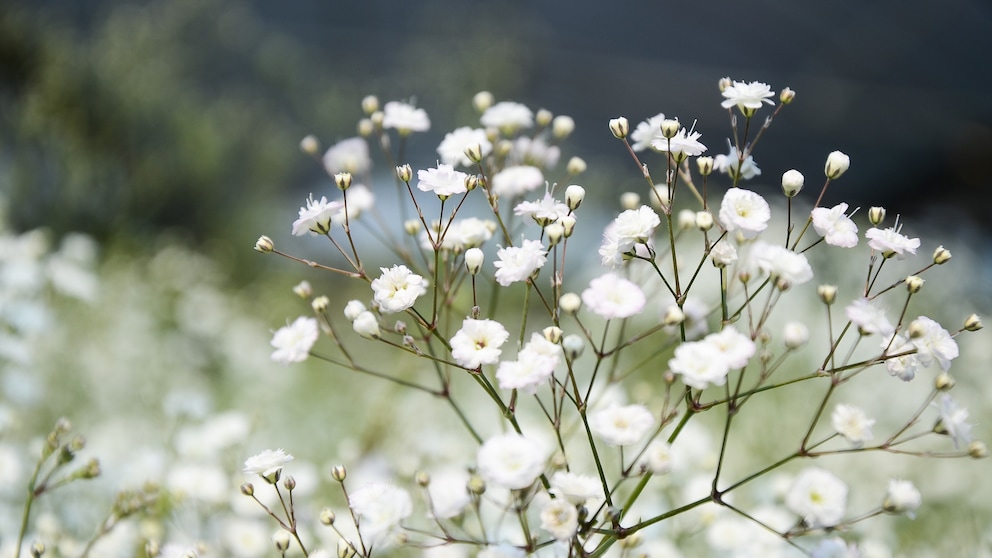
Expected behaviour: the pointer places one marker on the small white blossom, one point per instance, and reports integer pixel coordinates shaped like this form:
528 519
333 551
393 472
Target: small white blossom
727 164
933 343
658 457
517 180
353 309
366 325
903 367
636 226
448 494
835 226
902 497
461 234
699 367
723 253
612 296
316 216
744 211
293 342
560 518
518 263
405 117
621 425
380 507
795 334
397 288
544 211
869 318
510 461
684 143
818 497
452 148
734 347
267 463
781 263
953 420
478 342
747 95
852 423
443 180
575 488
508 116
646 132
350 155
891 242
360 200
534 151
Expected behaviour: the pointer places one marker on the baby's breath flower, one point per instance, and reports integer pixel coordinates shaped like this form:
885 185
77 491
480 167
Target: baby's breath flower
293 342
744 211
748 97
646 132
891 243
510 461
350 155
837 164
518 263
612 296
560 518
443 180
792 182
852 423
452 149
621 425
727 164
517 180
405 118
478 342
316 216
508 117
902 497
398 288
835 226
267 464
818 497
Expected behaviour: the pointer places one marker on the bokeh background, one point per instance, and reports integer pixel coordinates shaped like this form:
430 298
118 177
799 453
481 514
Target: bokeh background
168 132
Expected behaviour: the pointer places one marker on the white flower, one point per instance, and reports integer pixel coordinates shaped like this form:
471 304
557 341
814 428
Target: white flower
448 494
534 151
518 263
744 211
818 497
727 164
575 488
836 165
360 200
510 461
397 288
747 95
478 342
380 507
508 116
350 155
245 538
723 253
316 216
795 334
535 363
868 317
903 367
781 263
636 226
835 226
267 463
852 423
353 309
658 457
902 497
646 132
560 518
517 180
366 325
612 296
953 421
544 211
734 347
890 242
452 148
444 180
933 343
405 117
684 143
695 361
621 425
293 342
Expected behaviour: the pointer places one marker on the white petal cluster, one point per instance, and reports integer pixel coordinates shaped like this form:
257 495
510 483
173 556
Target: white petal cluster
891 242
316 216
405 117
478 342
621 425
517 180
560 518
905 366
852 423
349 155
612 296
684 143
380 507
510 461
836 228
744 211
535 363
266 463
933 343
360 200
534 151
460 235
747 95
646 132
518 263
953 420
508 116
869 318
293 342
454 144
442 180
727 164
818 497
902 497
544 211
575 488
448 495
709 360
636 226
780 263
398 288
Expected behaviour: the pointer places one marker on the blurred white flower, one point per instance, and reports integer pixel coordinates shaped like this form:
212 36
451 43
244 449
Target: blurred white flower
405 117
658 457
727 164
621 425
452 148
818 497
902 497
398 288
575 488
868 317
380 508
560 518
517 180
360 200
478 342
293 342
534 151
903 367
502 551
245 538
508 116
449 497
350 155
443 180
535 363
461 234
952 420
835 226
611 296
744 211
781 263
734 347
684 143
518 263
852 423
510 461
267 463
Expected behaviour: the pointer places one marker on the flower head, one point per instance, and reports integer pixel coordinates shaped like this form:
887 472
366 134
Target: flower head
510 461
293 341
397 288
868 317
933 343
405 117
316 216
744 211
818 497
267 464
517 180
560 518
518 263
508 116
646 132
728 163
478 342
544 211
902 497
621 425
443 180
890 242
781 263
381 507
612 296
852 423
952 420
747 95
699 367
684 143
835 226
575 488
350 155
452 148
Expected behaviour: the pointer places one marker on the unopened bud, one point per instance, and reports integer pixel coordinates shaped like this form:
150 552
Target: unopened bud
353 309
673 316
264 244
552 334
289 483
543 117
422 478
705 165
978 450
400 327
562 126
724 83
411 226
474 152
941 255
876 215
376 118
343 180
366 325
704 220
474 258
476 485
365 127
310 145
503 147
795 335
320 304
573 345
827 293
248 489
327 516
574 195
404 173
576 165
568 224
370 104
837 164
281 539
669 128
792 182
471 182
37 549
943 382
555 232
620 127
786 96
914 283
483 100
973 323
339 473
630 200
345 549
570 303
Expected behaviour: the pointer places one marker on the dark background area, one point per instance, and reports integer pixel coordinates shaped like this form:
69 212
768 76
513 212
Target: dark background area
127 119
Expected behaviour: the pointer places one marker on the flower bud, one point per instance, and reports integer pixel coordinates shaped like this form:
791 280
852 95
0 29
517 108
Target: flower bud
792 182
247 489
837 164
474 152
914 283
555 232
376 118
686 219
827 293
568 224
476 485
422 478
574 195
483 100
365 127
503 147
289 483
339 473
659 198
787 95
552 334
543 117
576 165
345 549
570 303
281 539
941 255
705 165
704 220
303 289
944 382
795 334
327 516
399 327
264 244
573 345
343 180
310 145
669 128
876 215
471 181
404 173
673 316
724 83
917 329
366 325
630 200
562 126
620 127
973 323
473 260
978 450
37 549
411 226
320 304
353 309
370 104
